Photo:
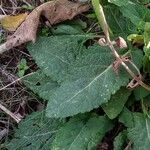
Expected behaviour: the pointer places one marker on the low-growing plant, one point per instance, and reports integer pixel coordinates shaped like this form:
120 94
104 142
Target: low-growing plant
85 83
22 67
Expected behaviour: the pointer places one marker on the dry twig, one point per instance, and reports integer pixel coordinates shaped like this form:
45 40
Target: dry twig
8 112
12 115
55 12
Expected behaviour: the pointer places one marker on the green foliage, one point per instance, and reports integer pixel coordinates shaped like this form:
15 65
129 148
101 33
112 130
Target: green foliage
136 12
126 118
120 140
83 74
27 7
78 79
146 59
120 3
41 84
119 25
22 67
36 132
82 133
141 127
65 29
116 103
55 53
140 93
138 129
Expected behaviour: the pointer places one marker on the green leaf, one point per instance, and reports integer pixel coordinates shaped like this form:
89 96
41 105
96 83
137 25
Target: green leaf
126 117
84 94
119 25
146 64
138 130
116 103
135 38
54 54
41 84
140 93
120 140
22 67
146 100
144 1
136 13
119 3
81 133
65 29
87 76
91 84
139 134
36 132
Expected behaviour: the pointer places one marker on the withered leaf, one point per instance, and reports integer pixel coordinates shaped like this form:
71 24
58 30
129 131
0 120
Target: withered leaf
11 23
55 12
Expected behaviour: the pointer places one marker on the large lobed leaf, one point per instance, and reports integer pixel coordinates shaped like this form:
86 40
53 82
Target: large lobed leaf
86 76
81 133
54 54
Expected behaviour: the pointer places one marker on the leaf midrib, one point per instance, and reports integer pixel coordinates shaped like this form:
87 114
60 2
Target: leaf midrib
85 87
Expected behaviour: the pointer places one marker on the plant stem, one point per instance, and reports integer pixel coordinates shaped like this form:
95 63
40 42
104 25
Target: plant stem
105 28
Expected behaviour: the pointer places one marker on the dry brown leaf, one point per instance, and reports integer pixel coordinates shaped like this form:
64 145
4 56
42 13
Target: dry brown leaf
11 23
55 11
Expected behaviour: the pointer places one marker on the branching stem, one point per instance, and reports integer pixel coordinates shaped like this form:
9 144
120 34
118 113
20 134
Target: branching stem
132 74
105 27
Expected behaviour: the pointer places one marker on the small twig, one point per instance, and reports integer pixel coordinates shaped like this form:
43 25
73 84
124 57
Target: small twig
2 10
16 81
10 77
12 115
